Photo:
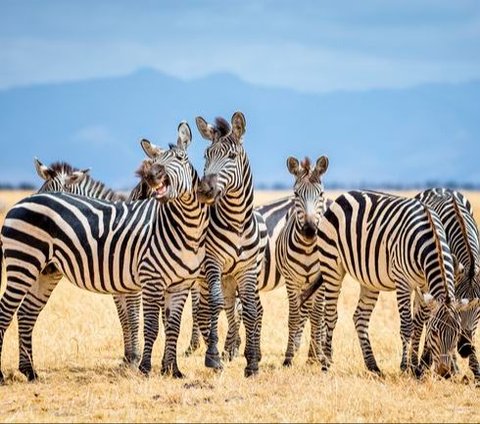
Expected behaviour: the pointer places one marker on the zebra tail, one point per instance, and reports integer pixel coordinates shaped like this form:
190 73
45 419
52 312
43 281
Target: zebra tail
311 289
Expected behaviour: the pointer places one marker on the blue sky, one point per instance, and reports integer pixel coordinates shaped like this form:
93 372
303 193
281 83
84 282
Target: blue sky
311 46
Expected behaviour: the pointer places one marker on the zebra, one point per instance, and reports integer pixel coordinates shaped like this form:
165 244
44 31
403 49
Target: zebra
456 214
235 237
273 214
387 243
114 247
61 176
297 254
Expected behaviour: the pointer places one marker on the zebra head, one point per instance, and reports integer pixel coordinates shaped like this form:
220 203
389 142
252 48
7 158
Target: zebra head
442 333
60 176
168 173
226 164
308 191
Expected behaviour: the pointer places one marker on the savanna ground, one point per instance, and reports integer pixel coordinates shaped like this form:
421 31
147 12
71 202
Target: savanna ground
78 350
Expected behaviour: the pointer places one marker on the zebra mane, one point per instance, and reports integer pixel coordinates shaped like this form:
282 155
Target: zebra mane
463 228
222 126
306 164
61 166
144 167
433 226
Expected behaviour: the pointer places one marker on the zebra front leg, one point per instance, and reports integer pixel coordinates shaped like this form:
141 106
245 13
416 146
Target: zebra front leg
294 323
406 323
152 303
317 311
259 324
216 303
419 319
174 303
233 337
195 337
30 308
134 301
247 286
361 317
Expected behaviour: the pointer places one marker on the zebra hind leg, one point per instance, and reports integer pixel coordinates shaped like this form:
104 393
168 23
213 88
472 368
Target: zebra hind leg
30 308
232 341
19 282
361 317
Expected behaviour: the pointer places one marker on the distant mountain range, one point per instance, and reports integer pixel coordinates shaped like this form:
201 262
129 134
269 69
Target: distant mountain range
424 135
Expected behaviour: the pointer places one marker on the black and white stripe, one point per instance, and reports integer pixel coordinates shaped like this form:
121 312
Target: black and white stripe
388 243
456 214
297 255
113 247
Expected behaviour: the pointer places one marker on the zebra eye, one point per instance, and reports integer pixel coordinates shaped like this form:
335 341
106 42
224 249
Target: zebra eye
232 155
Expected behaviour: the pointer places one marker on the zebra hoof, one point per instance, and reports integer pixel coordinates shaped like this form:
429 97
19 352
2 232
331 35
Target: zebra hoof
29 373
145 369
174 372
287 362
251 371
213 361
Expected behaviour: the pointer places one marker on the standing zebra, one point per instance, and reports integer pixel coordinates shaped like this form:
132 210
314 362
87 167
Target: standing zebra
113 247
388 242
234 237
297 254
61 176
456 214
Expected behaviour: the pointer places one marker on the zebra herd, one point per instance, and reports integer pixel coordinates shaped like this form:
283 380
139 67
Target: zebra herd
178 234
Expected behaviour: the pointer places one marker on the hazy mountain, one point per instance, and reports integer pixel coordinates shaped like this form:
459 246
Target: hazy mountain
416 135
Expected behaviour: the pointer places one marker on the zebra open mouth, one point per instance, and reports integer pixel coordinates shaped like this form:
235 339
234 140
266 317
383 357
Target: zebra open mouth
162 188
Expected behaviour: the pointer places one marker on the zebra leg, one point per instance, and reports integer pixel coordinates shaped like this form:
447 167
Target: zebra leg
134 301
259 324
231 346
406 323
152 303
203 311
174 303
315 352
419 319
128 307
30 308
19 283
294 323
361 317
195 337
215 300
247 286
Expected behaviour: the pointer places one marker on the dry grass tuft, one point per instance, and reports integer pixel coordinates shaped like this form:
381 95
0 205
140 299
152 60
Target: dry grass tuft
78 349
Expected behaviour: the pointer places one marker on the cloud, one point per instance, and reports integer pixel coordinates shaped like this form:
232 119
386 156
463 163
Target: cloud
94 135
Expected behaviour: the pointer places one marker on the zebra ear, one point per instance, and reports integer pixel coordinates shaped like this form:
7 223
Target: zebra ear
43 171
149 148
293 165
238 126
184 135
76 177
205 129
320 167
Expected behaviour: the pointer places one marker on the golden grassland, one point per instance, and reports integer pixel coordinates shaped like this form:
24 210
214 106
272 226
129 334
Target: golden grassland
78 349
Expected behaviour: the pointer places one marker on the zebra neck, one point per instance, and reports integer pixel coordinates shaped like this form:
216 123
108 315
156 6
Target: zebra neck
297 236
234 211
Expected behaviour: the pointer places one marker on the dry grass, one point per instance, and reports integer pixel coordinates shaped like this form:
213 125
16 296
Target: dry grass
78 349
